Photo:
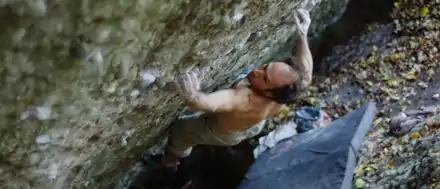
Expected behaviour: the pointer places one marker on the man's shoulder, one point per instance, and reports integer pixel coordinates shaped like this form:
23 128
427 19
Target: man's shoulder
243 91
240 83
241 97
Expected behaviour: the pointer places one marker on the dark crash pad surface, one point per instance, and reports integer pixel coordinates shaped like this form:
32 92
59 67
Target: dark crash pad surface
322 158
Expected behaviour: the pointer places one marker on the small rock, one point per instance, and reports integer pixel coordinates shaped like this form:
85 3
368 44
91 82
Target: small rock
18 35
160 82
423 84
102 34
154 88
34 158
112 87
436 96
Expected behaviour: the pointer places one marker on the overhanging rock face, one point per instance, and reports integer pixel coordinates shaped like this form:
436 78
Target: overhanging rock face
84 84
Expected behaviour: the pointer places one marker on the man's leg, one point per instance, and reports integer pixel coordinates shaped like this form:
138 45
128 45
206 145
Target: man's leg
170 159
192 131
185 133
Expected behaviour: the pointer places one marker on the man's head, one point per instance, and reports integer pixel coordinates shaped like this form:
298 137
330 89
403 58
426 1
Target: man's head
276 80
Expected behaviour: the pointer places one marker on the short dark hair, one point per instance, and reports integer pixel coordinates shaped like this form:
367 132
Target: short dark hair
288 94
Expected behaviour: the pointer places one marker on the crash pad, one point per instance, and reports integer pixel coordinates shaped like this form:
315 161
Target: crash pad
322 158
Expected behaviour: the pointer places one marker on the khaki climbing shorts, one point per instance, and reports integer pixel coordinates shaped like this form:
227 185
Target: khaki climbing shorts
204 129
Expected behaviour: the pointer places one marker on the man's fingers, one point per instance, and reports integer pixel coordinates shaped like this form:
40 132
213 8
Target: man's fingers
195 81
305 15
301 13
299 27
196 70
178 87
192 78
296 19
201 75
305 20
189 69
178 80
187 82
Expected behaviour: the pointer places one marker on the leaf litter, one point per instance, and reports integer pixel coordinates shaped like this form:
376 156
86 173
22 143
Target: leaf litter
392 76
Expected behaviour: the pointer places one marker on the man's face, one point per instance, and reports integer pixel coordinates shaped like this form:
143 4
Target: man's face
270 76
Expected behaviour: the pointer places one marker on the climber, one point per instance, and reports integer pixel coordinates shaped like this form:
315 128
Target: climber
233 115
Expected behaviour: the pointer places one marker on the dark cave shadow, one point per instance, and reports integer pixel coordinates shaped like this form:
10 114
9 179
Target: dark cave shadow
213 167
353 22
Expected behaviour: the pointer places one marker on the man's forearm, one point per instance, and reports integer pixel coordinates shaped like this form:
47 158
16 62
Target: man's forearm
304 56
198 102
218 101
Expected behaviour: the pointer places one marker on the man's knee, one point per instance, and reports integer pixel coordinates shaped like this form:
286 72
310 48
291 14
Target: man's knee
185 133
178 150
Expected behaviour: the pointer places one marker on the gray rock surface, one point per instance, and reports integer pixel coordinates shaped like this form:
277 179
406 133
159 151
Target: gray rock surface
84 84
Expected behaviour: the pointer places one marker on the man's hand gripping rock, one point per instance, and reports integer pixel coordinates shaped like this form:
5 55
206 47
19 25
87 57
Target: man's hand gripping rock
302 28
188 84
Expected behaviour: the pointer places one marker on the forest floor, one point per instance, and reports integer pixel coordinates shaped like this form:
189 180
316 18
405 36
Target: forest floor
399 76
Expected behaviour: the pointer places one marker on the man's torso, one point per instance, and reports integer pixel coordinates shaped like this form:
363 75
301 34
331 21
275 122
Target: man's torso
258 109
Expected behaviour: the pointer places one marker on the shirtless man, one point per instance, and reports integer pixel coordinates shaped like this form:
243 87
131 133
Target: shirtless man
233 115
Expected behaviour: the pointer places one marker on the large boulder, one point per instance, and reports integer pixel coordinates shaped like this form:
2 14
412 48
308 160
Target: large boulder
322 158
85 84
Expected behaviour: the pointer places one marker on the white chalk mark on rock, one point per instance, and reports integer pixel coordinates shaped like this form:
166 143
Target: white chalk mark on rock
95 57
53 171
43 139
124 137
41 113
37 7
147 78
237 16
135 93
